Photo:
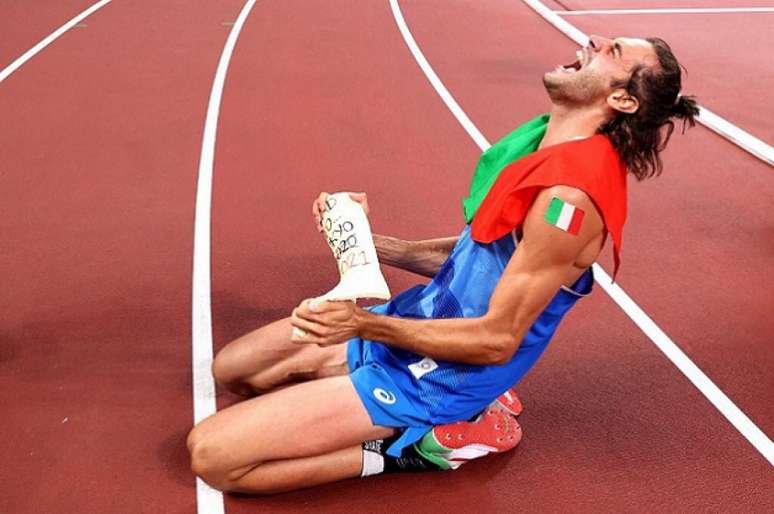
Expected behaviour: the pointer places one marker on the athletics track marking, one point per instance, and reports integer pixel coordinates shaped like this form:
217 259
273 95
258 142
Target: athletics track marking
29 54
693 10
706 117
697 377
208 500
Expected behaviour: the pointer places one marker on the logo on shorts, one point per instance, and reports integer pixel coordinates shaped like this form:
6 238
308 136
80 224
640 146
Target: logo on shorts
423 367
384 396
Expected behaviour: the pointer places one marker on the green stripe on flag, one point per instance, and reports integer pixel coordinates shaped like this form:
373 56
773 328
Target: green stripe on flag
554 210
519 143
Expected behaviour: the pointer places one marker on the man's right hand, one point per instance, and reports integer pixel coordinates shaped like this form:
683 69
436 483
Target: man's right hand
318 206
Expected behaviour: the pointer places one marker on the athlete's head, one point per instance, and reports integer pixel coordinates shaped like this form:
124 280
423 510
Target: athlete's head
635 83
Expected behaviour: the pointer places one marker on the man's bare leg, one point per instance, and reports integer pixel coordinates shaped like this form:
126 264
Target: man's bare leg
265 359
303 435
287 475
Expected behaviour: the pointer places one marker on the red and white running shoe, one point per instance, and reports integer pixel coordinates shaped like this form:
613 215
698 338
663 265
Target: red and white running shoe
495 430
509 402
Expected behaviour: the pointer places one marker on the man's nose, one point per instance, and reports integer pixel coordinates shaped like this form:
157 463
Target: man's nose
599 43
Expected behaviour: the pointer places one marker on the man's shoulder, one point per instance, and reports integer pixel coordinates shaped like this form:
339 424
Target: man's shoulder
571 194
560 205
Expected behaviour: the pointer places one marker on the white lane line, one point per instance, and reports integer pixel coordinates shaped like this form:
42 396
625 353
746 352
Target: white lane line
209 500
698 378
718 10
29 54
447 98
737 418
741 138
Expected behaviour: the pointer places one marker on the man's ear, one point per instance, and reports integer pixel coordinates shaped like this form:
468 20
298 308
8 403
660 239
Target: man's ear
622 101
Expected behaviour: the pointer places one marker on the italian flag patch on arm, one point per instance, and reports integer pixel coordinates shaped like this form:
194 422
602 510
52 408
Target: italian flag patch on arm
565 216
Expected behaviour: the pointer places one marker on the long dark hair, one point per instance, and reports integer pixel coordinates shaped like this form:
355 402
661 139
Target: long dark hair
640 137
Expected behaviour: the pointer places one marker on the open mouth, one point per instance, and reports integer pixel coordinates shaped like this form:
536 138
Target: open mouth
575 65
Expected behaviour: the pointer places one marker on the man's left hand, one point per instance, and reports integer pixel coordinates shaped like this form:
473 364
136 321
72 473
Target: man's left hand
325 322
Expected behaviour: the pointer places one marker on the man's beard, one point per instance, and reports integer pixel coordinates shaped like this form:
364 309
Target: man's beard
582 88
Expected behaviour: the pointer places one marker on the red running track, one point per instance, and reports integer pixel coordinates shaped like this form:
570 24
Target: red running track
324 95
573 5
101 137
24 24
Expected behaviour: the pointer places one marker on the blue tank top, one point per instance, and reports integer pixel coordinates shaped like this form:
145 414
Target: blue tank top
451 391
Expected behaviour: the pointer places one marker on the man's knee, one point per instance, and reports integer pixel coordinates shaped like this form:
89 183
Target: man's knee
208 459
224 368
228 371
211 463
204 455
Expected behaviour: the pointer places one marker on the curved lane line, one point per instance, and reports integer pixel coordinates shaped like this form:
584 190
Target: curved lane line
728 130
697 377
29 54
209 501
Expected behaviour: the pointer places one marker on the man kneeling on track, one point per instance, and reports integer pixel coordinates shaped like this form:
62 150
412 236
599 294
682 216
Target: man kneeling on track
422 382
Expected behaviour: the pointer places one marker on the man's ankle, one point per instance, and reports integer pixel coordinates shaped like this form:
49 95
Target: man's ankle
376 460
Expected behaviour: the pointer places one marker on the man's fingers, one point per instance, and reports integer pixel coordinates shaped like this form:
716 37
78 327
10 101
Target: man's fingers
302 337
362 199
307 315
318 206
303 307
314 305
313 330
312 309
320 306
317 305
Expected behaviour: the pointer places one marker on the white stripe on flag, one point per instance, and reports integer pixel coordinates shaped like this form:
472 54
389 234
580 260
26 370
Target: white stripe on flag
565 217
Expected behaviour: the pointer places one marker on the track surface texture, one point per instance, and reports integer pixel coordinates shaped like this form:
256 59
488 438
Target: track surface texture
26 23
101 136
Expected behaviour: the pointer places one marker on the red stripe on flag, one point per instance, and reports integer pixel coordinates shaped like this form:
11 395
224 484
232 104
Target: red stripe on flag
575 222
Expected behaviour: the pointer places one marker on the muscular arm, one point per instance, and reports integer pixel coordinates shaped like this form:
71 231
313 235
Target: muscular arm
545 259
421 257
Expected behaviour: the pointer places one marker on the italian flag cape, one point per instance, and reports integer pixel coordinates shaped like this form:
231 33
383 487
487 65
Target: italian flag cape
512 172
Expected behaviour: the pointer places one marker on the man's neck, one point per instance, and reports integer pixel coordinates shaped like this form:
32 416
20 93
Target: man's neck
567 124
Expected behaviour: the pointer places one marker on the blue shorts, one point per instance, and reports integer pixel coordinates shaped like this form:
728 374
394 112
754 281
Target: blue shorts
384 400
